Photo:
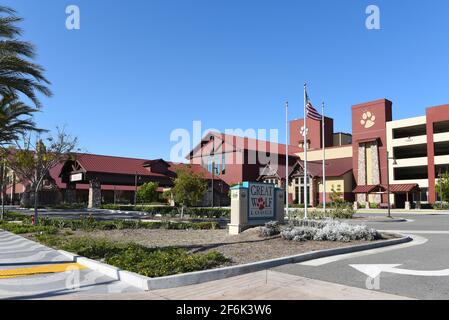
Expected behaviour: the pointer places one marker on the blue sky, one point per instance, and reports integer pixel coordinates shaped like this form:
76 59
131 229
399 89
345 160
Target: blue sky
139 69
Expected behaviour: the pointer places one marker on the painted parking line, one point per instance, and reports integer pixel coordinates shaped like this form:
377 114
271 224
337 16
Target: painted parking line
44 269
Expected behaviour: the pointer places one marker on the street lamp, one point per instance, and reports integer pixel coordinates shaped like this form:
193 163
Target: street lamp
388 180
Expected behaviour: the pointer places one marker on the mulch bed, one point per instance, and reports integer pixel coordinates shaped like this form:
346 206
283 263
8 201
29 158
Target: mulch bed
244 248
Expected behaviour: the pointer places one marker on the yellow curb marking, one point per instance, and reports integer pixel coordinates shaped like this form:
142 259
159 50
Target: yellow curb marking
54 268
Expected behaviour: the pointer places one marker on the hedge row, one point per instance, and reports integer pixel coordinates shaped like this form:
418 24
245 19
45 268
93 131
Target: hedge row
174 211
90 224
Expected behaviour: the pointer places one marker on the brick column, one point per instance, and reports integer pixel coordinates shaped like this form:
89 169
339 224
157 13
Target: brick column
94 194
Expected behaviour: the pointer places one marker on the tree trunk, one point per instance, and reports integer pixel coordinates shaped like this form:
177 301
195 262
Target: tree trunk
36 213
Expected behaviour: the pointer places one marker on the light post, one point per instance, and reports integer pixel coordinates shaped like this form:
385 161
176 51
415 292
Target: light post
441 190
388 181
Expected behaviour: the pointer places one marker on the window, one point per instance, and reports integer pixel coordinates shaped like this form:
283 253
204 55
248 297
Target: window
223 164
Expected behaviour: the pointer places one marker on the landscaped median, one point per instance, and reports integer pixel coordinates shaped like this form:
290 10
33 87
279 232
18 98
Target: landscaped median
168 254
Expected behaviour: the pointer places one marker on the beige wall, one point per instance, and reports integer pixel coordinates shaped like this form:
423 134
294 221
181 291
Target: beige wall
331 153
345 182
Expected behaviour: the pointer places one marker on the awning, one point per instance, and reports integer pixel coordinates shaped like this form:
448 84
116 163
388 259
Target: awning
394 188
365 189
403 188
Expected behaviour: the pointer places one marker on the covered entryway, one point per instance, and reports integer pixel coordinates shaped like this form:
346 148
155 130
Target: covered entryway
402 193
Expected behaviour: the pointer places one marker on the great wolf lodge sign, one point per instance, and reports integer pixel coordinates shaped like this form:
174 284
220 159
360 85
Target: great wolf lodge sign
261 201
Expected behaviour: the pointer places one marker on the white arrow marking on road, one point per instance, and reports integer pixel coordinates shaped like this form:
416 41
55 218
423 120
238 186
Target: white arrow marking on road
374 270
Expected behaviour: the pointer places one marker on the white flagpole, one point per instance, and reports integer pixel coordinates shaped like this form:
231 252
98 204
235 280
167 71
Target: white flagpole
287 158
305 154
324 161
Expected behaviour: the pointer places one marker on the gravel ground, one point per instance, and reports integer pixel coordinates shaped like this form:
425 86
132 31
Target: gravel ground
244 248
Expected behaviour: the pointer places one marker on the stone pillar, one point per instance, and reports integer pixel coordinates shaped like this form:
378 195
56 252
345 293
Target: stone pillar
239 211
356 206
313 193
70 193
407 205
376 170
361 179
94 194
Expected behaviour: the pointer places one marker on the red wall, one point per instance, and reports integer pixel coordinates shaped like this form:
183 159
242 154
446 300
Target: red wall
315 132
435 114
382 110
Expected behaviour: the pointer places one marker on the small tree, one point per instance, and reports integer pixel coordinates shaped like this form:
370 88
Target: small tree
336 197
147 193
189 188
32 163
442 186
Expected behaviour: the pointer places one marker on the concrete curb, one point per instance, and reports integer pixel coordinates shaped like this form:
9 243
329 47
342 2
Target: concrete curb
130 278
186 279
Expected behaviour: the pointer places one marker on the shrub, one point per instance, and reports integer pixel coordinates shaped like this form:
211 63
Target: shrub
90 224
16 216
270 229
335 213
329 230
151 262
27 228
210 213
439 206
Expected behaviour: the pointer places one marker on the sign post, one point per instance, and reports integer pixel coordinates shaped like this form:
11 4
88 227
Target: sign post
254 204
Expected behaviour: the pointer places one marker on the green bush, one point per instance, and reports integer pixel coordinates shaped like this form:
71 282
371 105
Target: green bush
90 224
334 213
438 206
67 206
27 228
150 262
211 213
16 216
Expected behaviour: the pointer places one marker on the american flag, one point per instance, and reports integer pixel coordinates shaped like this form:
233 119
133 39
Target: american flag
312 113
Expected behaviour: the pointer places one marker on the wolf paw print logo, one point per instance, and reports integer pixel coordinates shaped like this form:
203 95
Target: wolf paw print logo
368 120
261 203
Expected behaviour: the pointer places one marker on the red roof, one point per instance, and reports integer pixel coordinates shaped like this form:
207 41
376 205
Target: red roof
365 189
394 188
334 167
237 142
117 165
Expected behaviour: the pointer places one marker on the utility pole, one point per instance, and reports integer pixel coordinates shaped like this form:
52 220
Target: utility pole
2 185
287 162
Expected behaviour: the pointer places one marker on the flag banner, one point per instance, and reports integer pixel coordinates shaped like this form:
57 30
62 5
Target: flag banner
312 113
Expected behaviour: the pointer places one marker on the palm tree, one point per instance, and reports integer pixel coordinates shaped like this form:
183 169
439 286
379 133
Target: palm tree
17 73
15 120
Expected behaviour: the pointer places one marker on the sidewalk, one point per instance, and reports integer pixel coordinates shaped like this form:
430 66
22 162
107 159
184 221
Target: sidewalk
29 270
263 285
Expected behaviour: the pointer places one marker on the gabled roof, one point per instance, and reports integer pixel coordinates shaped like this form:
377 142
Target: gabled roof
235 143
334 167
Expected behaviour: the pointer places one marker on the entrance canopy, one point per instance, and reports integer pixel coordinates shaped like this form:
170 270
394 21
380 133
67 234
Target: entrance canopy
394 188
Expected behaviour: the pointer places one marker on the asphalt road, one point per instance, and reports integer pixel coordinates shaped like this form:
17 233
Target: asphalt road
432 255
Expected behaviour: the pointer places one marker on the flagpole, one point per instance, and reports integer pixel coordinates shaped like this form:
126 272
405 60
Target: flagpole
305 154
324 160
287 158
